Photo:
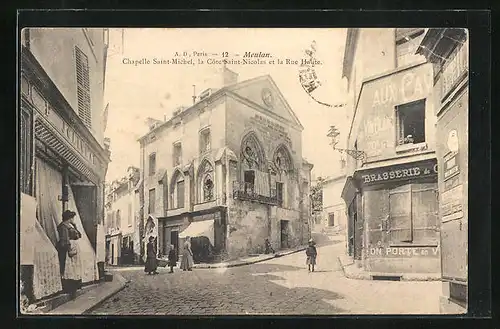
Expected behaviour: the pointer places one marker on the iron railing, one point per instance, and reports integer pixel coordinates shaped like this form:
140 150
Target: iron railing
248 192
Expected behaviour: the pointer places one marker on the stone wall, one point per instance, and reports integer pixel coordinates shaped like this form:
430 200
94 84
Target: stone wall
248 227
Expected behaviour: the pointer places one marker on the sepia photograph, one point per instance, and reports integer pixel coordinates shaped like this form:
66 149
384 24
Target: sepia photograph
243 171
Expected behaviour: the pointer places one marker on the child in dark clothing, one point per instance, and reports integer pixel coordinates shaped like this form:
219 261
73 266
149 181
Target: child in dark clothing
172 258
311 254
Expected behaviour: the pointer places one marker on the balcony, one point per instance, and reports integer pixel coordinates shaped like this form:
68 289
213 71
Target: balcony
249 192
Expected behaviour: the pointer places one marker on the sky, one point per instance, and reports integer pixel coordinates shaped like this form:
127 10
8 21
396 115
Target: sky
136 92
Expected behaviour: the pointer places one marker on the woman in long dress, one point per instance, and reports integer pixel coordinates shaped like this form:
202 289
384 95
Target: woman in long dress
187 256
69 254
151 263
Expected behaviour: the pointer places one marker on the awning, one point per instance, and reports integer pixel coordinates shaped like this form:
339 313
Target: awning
201 228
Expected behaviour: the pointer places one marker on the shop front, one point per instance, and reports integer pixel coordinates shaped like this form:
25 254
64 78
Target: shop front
399 213
68 169
206 228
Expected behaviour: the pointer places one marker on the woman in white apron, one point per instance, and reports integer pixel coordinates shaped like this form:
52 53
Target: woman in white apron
69 254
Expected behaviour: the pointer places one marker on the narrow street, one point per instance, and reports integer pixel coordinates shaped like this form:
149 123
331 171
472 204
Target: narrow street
278 286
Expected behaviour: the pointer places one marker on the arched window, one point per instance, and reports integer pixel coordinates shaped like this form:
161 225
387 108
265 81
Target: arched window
177 190
206 182
282 162
282 159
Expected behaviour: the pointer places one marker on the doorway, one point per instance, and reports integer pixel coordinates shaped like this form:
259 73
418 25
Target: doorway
284 227
112 262
174 240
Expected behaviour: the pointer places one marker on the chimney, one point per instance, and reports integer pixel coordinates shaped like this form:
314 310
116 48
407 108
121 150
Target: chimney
194 94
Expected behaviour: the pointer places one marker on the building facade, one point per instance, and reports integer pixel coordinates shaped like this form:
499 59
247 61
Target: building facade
63 157
122 225
227 171
448 50
334 215
391 191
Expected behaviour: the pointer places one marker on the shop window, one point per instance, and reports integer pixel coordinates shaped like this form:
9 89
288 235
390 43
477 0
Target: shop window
83 87
331 219
411 123
413 214
152 164
205 140
177 154
407 42
152 197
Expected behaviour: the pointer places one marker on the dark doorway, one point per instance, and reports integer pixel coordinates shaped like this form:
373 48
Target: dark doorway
112 254
331 219
174 240
284 234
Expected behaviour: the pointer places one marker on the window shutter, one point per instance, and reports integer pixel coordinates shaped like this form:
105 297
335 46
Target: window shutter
400 214
425 213
83 87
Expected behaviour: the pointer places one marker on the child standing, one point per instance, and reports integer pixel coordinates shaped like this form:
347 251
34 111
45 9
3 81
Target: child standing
311 254
172 258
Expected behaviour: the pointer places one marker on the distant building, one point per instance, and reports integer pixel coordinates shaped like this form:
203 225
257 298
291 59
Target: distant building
450 57
122 224
391 192
63 157
227 171
334 214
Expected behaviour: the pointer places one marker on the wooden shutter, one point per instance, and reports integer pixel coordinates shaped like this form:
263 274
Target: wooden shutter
83 87
400 214
425 213
152 196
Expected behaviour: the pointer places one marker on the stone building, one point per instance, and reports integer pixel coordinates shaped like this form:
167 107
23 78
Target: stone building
229 168
63 155
122 225
334 210
448 50
391 191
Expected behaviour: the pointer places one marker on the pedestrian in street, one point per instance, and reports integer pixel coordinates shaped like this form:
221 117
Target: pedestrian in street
311 254
268 248
187 256
151 265
69 254
172 258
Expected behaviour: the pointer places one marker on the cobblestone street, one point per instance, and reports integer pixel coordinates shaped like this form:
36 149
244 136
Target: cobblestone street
278 286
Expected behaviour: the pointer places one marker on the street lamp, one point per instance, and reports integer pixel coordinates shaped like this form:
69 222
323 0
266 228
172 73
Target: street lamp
333 133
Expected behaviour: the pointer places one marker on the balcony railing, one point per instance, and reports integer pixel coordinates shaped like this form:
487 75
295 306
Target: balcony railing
248 192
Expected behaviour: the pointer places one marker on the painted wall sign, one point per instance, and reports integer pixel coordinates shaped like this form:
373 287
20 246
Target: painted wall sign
403 252
451 204
451 167
410 86
379 97
399 172
270 130
457 67
452 141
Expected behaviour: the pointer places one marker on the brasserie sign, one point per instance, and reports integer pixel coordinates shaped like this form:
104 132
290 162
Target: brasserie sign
405 171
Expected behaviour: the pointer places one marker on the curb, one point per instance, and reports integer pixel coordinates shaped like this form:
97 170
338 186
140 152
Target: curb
276 255
362 275
86 306
123 284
